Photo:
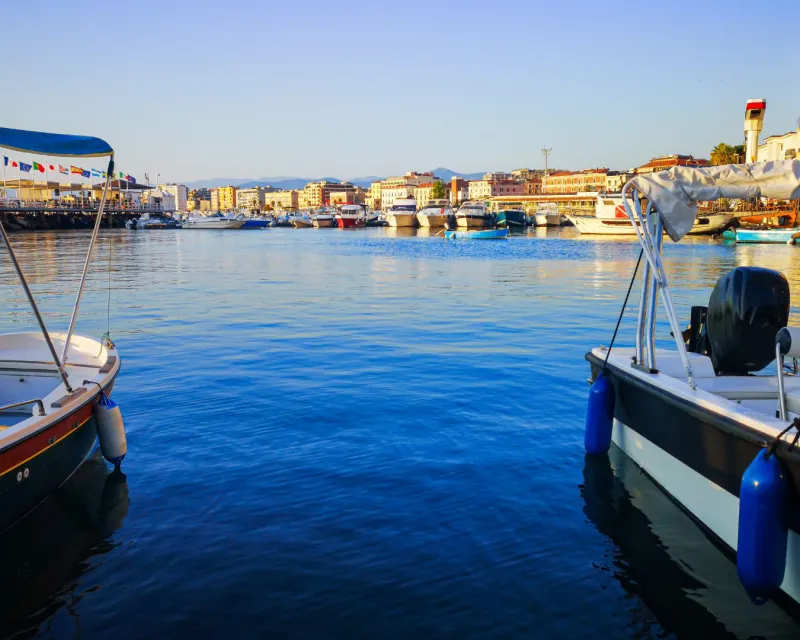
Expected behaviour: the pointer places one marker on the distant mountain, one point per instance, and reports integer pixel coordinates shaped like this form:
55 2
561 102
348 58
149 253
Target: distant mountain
290 182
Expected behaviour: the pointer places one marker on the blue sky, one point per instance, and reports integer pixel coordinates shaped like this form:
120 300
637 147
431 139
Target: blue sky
199 88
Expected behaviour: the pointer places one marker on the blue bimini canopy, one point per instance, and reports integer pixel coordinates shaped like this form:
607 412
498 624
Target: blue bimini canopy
53 144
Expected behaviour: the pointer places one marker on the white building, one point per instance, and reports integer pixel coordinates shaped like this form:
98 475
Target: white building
180 194
785 147
158 199
251 199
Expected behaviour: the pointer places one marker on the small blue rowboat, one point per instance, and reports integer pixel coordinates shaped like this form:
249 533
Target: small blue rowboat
481 234
770 236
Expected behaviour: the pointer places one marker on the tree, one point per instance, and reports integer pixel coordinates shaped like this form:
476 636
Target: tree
740 152
438 191
723 153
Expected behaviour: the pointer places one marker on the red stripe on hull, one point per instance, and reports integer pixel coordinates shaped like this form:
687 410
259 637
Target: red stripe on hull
24 450
346 223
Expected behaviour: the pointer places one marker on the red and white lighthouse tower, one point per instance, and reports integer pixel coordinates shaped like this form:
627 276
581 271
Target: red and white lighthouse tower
753 122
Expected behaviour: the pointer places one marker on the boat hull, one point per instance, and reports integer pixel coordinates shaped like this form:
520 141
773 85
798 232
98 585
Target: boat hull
473 221
697 457
254 224
323 223
486 234
402 220
348 222
512 219
432 221
590 225
768 236
548 220
302 224
214 224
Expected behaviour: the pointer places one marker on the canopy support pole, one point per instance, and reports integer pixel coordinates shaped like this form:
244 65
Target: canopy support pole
35 308
92 242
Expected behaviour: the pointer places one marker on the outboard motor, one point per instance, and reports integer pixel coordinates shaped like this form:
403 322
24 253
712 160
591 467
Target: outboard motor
747 308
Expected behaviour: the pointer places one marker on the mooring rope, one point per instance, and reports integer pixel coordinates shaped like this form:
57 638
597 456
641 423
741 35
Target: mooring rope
777 439
622 311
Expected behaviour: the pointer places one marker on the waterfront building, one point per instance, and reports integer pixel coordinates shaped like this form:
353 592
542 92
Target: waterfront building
576 181
783 147
179 192
223 198
399 187
158 199
318 194
392 192
459 190
373 200
484 189
532 186
251 198
422 193
615 180
342 197
662 163
498 176
198 200
524 175
282 199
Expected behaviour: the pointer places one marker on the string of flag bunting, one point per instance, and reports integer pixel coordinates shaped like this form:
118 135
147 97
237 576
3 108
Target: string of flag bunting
71 170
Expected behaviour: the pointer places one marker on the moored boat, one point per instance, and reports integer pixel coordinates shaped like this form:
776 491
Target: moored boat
511 218
374 219
476 234
301 221
765 236
151 221
473 215
350 216
402 213
716 438
323 219
547 215
435 214
53 387
212 221
610 219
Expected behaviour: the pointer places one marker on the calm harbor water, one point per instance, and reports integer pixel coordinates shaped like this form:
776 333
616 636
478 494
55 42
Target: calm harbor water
362 434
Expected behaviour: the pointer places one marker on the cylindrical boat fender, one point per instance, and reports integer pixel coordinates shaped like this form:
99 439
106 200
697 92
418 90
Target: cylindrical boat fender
599 416
763 527
110 429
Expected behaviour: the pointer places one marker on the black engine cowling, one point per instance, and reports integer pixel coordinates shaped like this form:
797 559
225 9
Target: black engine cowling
747 308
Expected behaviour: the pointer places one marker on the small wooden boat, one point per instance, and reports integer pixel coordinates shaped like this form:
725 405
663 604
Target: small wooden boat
482 234
765 236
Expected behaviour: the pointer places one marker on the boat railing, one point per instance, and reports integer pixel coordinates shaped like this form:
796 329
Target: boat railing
649 229
14 405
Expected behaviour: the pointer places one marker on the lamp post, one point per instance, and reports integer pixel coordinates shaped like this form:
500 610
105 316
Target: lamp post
546 154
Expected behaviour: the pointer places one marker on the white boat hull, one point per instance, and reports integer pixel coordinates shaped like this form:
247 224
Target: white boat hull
432 221
548 220
213 224
590 225
472 222
709 503
402 220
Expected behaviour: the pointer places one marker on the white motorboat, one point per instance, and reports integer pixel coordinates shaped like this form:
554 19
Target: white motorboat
212 221
473 215
53 384
721 441
301 221
610 219
435 215
323 219
402 213
150 221
374 219
547 215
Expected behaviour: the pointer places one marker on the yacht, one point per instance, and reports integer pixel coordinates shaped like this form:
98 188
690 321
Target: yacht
512 218
54 387
610 219
323 219
350 215
152 221
402 213
473 215
212 221
715 419
374 219
547 215
435 215
301 220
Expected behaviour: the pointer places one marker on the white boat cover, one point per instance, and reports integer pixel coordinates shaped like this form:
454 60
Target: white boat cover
676 192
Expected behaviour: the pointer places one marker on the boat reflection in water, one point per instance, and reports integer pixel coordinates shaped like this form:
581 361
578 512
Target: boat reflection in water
43 556
660 555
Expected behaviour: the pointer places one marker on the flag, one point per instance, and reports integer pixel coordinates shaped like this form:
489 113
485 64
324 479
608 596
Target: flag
121 175
51 167
85 173
5 161
146 179
74 169
24 167
63 169
105 175
38 167
96 173
14 163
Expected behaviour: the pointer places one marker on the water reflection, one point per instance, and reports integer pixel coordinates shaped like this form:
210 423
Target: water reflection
661 556
43 557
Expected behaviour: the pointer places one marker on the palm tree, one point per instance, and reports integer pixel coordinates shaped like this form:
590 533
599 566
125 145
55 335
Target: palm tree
723 153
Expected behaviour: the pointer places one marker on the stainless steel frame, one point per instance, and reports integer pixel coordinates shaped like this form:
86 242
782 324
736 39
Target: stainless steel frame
14 405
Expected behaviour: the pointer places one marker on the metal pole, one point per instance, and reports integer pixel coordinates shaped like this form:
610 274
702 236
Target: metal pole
781 387
39 319
650 329
95 233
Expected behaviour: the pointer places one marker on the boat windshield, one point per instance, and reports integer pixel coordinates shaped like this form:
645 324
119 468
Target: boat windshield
403 207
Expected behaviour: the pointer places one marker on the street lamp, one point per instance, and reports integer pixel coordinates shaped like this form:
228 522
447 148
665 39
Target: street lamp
546 154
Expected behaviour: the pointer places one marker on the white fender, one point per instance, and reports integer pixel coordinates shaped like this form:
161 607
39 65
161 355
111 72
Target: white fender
110 429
